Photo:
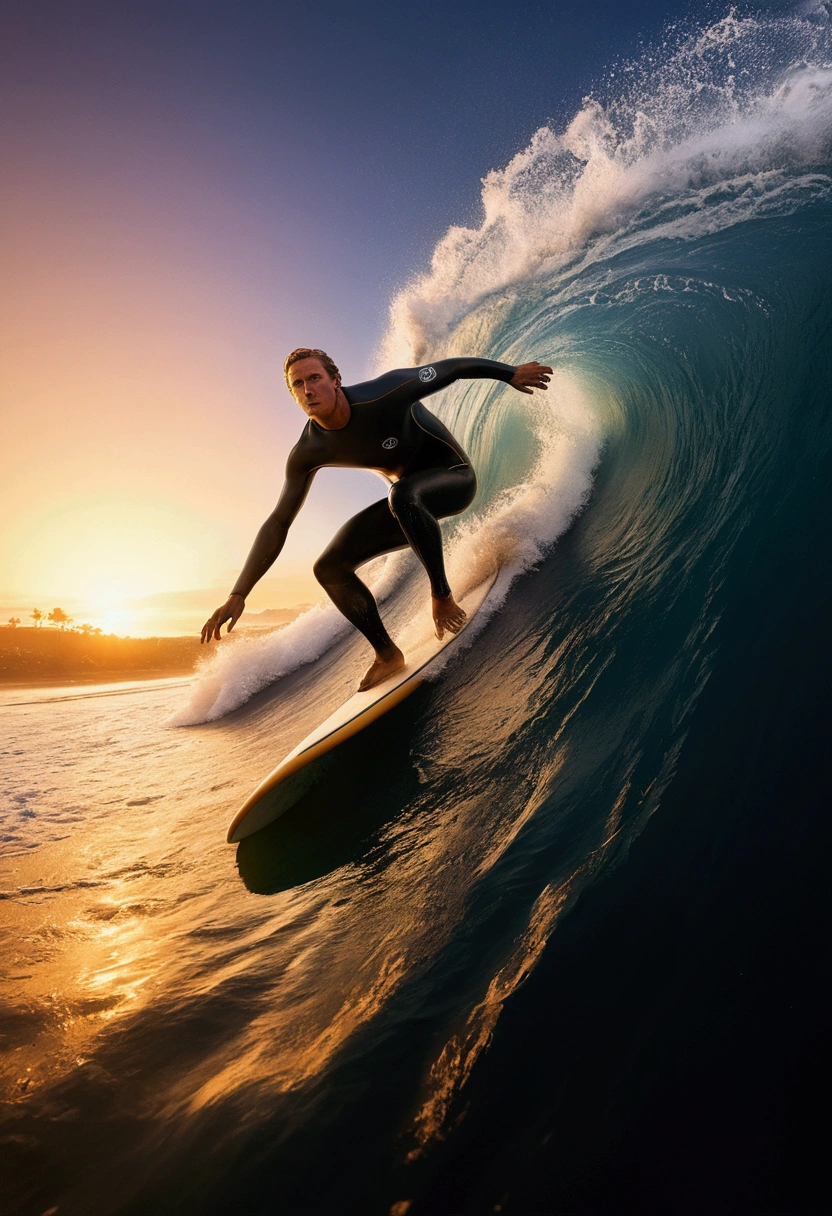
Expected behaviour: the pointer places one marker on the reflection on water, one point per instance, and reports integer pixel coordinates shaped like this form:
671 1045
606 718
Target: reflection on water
184 1008
148 978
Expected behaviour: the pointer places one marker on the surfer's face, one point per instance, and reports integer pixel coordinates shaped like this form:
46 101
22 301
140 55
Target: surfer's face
313 388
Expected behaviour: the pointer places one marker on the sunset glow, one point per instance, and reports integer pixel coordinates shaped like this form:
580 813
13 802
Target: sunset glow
150 296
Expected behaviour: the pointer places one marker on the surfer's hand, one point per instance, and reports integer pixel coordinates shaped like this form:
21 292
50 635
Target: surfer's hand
231 611
530 376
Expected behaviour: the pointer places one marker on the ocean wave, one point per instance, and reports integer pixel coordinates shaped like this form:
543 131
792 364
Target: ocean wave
729 126
696 140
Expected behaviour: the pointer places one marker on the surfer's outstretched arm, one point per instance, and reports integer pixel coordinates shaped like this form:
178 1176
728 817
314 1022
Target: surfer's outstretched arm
266 548
439 375
525 378
405 385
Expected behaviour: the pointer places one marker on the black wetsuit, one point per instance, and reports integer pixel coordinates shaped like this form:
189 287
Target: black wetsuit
390 431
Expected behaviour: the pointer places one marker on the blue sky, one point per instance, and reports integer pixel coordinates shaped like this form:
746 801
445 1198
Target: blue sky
364 126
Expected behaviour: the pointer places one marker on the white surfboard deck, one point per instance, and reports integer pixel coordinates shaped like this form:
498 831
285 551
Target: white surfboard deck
297 773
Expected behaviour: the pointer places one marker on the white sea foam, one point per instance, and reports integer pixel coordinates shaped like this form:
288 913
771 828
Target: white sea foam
699 138
232 675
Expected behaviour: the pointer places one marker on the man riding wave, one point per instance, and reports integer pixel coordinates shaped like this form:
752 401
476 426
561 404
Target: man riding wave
380 425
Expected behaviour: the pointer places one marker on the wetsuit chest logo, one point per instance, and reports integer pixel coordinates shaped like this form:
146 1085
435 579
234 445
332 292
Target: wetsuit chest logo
390 443
426 374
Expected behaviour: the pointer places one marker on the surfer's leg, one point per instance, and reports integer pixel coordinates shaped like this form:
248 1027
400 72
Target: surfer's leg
418 500
370 533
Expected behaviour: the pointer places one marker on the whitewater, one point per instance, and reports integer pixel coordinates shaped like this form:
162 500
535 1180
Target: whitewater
360 985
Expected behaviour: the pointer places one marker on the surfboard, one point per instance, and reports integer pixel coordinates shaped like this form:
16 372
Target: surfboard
299 771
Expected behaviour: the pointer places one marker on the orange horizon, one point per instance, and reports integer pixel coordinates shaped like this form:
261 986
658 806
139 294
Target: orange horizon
166 613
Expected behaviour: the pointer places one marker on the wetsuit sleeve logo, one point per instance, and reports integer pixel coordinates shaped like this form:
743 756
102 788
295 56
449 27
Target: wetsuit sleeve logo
426 374
390 443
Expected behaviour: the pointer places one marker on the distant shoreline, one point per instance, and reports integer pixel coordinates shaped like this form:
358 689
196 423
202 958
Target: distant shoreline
31 656
59 680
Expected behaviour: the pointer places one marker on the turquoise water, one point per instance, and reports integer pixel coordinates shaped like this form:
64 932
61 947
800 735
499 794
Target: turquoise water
542 918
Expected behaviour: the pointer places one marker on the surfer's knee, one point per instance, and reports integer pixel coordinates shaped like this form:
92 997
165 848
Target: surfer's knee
400 498
329 570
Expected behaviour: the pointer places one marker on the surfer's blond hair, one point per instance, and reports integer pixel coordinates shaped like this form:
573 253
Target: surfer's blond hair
309 352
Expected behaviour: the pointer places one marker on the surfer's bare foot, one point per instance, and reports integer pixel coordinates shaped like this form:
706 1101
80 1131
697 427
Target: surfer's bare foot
383 667
447 614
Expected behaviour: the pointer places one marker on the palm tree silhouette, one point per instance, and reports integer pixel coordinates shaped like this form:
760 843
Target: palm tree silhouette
58 617
37 617
14 621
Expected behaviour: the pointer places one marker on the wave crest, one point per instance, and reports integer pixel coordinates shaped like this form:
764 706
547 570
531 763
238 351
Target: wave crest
709 128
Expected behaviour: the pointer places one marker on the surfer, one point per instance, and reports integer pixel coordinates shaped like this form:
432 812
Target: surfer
380 425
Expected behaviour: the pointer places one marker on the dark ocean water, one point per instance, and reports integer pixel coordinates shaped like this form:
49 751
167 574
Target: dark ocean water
553 937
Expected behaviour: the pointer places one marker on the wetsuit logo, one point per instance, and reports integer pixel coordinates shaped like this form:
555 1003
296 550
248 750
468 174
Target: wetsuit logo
390 444
426 374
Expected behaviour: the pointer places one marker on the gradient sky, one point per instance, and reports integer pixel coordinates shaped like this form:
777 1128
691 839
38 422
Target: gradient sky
188 192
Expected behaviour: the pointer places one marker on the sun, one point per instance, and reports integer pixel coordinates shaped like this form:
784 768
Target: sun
118 620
